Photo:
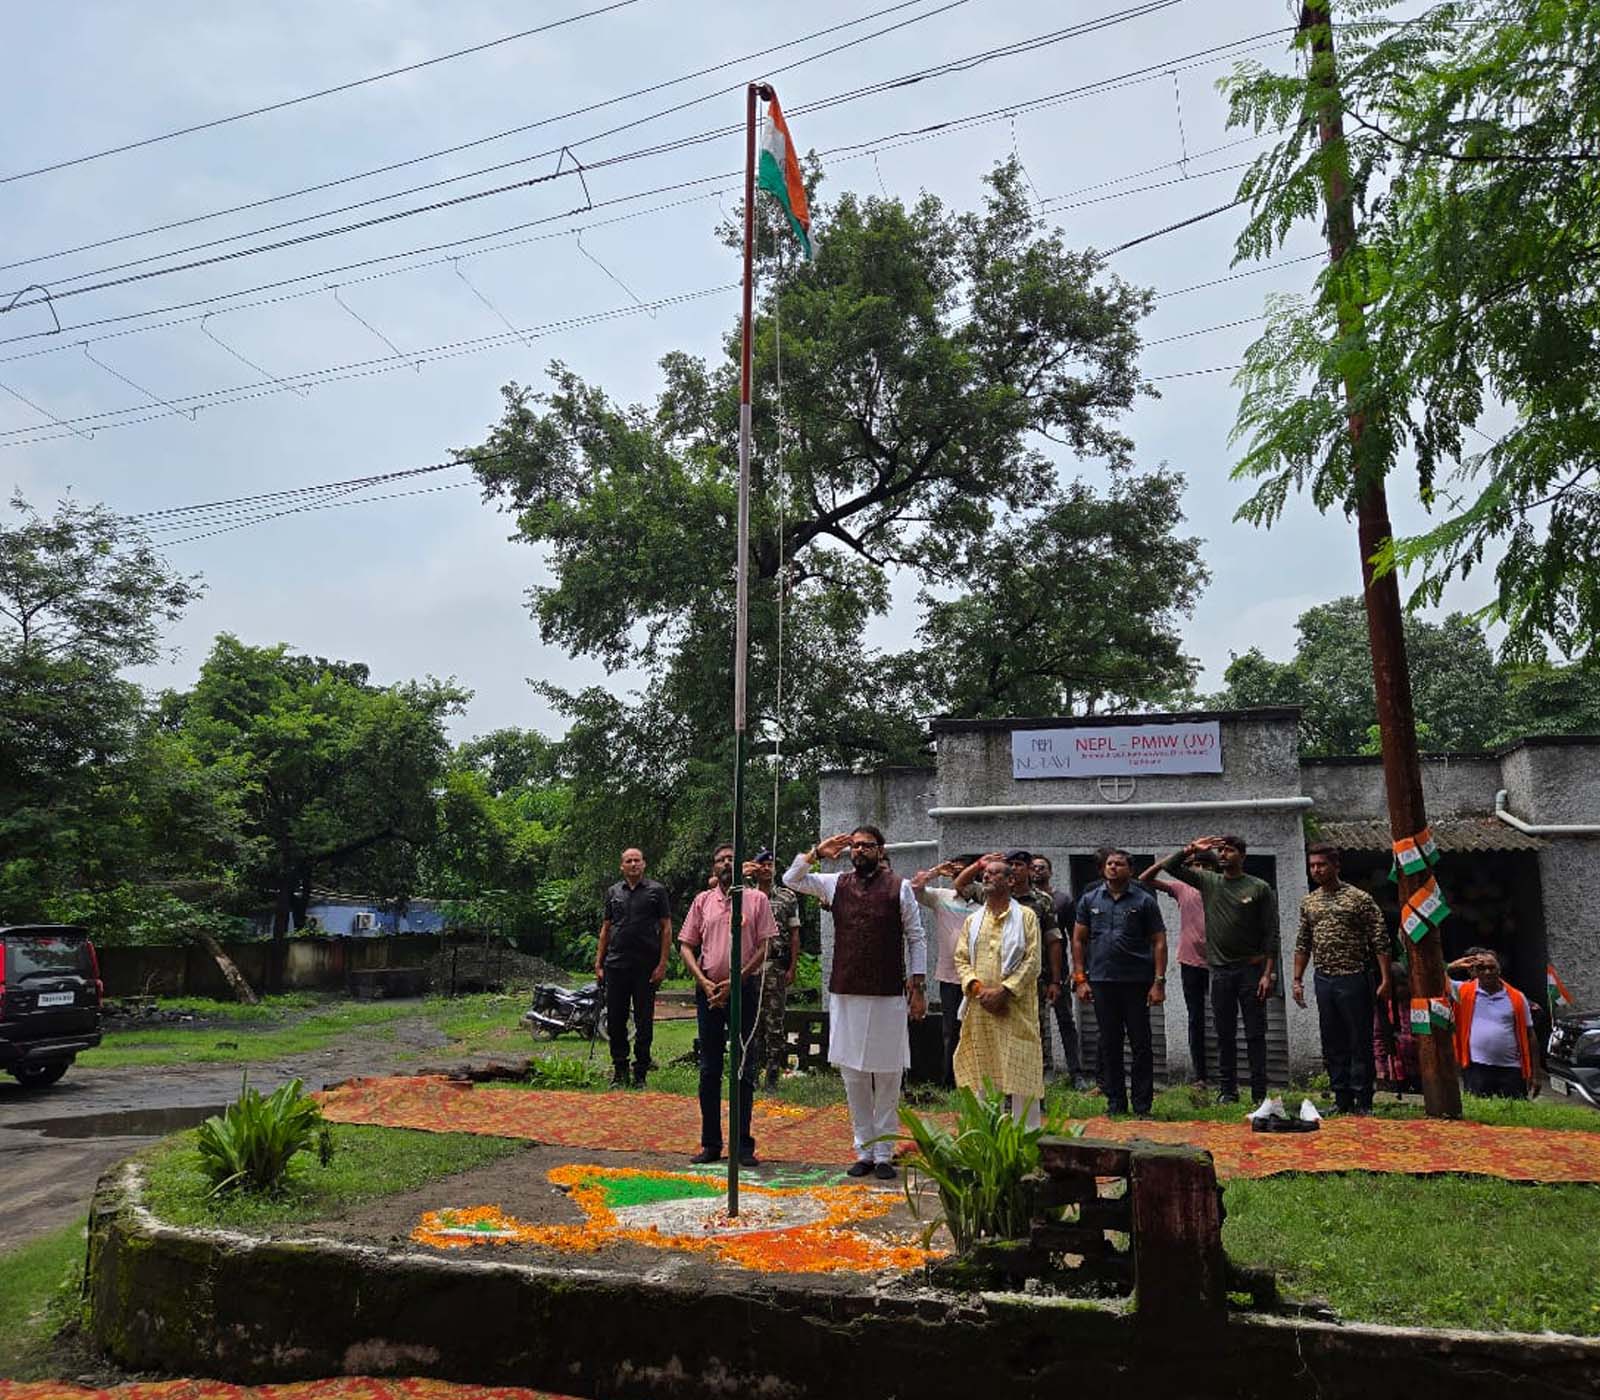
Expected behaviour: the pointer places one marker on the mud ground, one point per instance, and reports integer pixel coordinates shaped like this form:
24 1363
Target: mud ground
55 1143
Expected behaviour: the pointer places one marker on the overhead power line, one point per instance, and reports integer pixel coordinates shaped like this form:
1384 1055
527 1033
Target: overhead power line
126 146
368 174
889 141
959 65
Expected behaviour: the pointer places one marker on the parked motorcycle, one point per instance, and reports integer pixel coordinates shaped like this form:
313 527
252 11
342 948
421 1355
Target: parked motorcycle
557 1009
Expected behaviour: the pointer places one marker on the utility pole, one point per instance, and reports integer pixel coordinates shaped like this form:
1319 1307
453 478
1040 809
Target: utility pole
1391 676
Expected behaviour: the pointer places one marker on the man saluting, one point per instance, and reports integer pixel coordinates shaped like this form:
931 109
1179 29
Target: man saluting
879 968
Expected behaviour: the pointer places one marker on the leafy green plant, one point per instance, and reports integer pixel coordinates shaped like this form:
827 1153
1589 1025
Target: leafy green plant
250 1146
808 972
984 1171
565 1072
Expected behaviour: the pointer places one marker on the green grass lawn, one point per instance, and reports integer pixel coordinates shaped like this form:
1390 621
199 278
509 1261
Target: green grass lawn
38 1292
367 1162
1436 1251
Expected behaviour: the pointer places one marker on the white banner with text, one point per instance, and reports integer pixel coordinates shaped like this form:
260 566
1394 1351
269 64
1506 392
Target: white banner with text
1086 752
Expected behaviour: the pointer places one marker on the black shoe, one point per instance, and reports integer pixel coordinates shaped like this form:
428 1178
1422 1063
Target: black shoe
638 1077
859 1169
772 1079
749 1159
704 1155
1227 1096
1143 1114
619 1076
885 1171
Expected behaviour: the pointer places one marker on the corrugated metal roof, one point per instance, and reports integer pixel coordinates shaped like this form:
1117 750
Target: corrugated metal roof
1451 834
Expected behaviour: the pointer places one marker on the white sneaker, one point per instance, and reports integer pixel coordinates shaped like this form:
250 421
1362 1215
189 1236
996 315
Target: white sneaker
1270 1107
1308 1112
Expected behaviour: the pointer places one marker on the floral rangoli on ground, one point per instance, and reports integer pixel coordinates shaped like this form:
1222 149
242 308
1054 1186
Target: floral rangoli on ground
806 1228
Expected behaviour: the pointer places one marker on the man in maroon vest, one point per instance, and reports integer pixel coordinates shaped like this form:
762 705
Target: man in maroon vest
880 964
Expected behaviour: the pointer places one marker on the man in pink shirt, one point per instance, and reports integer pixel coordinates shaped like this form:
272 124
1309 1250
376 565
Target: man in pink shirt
706 942
1192 965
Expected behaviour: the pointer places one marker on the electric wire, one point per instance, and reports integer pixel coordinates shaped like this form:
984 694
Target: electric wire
59 292
466 145
215 122
498 166
859 149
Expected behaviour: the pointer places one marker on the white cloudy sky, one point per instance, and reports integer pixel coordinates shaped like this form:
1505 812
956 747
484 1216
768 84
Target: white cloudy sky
430 583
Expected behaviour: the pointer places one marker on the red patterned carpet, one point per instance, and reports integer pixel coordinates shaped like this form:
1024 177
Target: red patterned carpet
346 1388
646 1122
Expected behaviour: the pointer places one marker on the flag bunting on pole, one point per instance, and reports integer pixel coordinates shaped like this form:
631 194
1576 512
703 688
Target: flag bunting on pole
1555 989
1424 910
778 172
1414 854
1442 1012
1421 1019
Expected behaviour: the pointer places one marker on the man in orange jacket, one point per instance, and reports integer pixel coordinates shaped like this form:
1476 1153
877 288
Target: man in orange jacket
1493 1028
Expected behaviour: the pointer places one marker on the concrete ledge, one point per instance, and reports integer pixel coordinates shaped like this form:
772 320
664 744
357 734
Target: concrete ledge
219 1303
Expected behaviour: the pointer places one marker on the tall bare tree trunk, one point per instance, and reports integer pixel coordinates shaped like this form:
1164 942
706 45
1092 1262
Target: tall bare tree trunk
229 969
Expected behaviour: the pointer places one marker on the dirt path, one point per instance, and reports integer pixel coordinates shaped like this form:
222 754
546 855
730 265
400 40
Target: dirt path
55 1143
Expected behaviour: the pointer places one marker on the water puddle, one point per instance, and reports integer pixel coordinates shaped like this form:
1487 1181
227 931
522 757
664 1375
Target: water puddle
132 1122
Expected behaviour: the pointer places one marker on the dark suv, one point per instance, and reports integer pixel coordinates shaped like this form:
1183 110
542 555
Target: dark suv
50 992
1573 1060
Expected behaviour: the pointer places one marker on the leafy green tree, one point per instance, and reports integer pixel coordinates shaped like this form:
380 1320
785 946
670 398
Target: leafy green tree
1472 136
335 774
1546 699
926 357
82 597
1459 693
1080 612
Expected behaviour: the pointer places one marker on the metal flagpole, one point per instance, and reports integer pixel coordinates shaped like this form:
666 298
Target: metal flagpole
741 650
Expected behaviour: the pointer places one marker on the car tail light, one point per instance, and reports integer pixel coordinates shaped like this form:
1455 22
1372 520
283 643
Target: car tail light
94 968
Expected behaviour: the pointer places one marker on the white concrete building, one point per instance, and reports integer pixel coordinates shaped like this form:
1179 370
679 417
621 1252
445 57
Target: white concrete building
1519 830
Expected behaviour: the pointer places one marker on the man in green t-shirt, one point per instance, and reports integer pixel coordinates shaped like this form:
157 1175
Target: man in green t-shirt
1241 951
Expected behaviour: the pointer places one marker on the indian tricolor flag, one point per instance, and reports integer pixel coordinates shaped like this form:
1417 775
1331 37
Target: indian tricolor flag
778 172
1556 989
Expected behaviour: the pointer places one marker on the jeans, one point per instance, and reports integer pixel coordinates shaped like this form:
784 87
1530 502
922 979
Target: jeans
949 1011
1233 992
630 988
1495 1082
1124 1007
712 1023
1196 982
1344 1015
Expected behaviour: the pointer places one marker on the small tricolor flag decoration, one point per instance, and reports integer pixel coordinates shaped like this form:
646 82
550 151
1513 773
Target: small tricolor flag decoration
1555 989
1413 924
1442 1012
1409 857
1421 1018
1429 902
778 172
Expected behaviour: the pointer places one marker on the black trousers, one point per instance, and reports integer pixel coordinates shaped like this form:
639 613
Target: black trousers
1065 1024
1344 1016
630 988
1196 985
1495 1082
712 1024
1122 1008
949 1011
1233 994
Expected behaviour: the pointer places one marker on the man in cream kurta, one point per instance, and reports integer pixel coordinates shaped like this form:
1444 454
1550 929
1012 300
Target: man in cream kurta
878 979
997 963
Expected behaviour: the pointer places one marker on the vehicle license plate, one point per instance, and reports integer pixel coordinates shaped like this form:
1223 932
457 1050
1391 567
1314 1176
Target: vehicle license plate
1560 1085
56 998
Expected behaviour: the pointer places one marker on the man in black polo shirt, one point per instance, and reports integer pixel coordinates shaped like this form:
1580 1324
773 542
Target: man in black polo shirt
635 942
1119 955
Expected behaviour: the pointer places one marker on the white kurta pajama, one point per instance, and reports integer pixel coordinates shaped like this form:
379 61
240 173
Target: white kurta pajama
868 1038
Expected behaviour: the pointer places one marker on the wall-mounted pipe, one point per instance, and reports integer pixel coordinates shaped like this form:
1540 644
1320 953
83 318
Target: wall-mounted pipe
1100 809
1529 829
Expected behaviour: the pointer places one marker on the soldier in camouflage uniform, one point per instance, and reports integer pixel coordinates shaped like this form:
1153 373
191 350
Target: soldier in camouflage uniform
770 1044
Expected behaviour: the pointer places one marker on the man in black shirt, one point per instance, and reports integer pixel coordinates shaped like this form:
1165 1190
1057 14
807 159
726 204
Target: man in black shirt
635 942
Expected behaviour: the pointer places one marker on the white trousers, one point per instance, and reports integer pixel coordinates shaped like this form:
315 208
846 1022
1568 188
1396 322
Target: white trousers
1025 1111
874 1101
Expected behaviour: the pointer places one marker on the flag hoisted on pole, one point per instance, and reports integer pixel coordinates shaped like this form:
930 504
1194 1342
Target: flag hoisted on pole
780 174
